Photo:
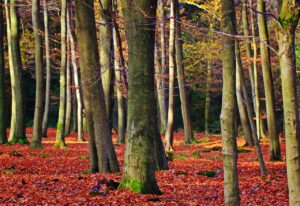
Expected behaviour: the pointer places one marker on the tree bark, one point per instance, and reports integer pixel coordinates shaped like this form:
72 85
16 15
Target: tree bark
229 145
289 18
3 125
38 110
68 87
185 108
48 71
275 153
17 124
103 158
207 100
172 69
142 130
60 130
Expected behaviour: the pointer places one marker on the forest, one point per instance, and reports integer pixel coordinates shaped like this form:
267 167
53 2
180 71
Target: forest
149 102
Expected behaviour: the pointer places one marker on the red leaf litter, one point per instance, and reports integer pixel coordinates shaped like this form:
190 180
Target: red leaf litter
52 176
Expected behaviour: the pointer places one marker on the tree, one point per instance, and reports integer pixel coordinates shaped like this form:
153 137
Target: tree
69 104
229 149
103 158
48 70
172 69
3 138
185 110
38 111
285 33
17 124
139 173
60 132
207 99
268 82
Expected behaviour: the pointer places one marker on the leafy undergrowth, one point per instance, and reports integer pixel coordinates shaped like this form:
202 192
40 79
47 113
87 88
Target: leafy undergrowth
60 176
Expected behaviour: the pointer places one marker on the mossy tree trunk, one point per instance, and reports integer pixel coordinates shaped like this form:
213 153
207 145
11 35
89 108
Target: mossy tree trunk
3 138
103 158
289 18
106 54
38 110
240 98
275 153
69 104
17 124
229 145
60 130
185 108
172 69
79 106
142 130
48 70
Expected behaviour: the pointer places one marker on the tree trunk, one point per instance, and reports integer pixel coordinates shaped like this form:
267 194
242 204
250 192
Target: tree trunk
17 124
79 105
185 108
163 111
142 130
172 68
68 89
106 61
240 98
275 153
3 125
48 71
60 131
229 148
103 158
207 99
38 110
289 18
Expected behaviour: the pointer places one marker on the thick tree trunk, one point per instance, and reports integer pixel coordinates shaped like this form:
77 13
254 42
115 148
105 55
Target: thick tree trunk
163 57
185 109
229 148
172 68
275 153
142 130
106 60
103 158
60 130
79 105
3 125
240 97
289 18
207 99
48 71
38 110
17 124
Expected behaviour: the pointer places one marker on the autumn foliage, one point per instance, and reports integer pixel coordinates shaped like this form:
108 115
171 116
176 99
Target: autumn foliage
60 176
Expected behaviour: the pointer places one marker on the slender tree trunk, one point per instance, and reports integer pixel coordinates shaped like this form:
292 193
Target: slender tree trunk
17 124
60 131
103 158
38 111
142 130
275 153
207 99
185 108
68 90
289 18
161 11
106 60
240 97
48 71
3 138
79 105
249 54
229 148
172 68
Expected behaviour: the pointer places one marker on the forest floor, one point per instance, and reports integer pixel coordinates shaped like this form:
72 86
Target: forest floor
53 176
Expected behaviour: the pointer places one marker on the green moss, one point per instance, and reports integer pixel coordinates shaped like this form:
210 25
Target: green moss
204 140
207 173
243 150
180 156
132 184
86 172
287 19
196 154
